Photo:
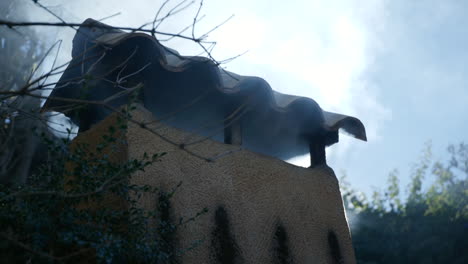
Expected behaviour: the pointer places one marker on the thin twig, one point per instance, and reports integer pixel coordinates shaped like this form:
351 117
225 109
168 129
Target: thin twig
12 24
110 16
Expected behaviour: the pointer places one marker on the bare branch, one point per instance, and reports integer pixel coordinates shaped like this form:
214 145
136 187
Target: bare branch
50 12
183 30
34 70
174 11
216 27
75 103
11 24
110 16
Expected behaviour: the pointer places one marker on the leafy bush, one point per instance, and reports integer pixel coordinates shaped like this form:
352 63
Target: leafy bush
80 205
63 200
429 226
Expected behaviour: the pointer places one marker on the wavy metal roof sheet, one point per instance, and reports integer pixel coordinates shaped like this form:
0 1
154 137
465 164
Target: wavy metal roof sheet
193 93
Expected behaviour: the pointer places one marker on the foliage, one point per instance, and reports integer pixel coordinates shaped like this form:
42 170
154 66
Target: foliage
429 226
61 200
57 216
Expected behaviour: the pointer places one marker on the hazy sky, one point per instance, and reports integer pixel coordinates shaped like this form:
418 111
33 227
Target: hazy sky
399 66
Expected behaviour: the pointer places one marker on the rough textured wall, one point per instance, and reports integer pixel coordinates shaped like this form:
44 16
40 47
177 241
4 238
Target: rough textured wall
261 210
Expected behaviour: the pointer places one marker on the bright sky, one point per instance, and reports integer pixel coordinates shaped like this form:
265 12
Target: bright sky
399 66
